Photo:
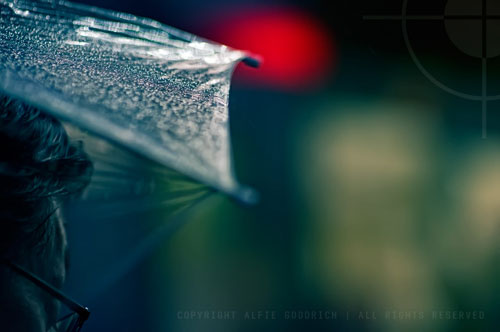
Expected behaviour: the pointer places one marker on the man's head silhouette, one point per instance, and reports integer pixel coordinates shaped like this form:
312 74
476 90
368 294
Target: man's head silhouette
39 169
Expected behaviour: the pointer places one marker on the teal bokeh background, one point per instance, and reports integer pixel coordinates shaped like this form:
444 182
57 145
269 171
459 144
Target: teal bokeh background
378 198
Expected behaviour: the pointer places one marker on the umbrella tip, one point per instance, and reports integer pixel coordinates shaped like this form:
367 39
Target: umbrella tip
252 61
248 195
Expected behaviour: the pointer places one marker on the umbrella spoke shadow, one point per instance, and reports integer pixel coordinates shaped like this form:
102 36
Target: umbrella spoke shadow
131 207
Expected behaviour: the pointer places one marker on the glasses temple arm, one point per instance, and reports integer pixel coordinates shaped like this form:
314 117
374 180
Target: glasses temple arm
81 310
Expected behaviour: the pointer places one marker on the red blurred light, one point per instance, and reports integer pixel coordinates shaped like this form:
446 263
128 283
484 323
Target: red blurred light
296 50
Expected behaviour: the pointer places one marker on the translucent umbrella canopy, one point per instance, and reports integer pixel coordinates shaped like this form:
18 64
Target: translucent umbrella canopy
156 90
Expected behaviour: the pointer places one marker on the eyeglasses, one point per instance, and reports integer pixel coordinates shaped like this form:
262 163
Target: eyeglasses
72 322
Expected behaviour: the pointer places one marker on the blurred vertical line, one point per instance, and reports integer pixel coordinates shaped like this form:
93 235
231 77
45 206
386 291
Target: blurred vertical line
484 75
484 100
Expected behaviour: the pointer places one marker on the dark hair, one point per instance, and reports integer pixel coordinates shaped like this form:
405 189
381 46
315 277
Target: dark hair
38 167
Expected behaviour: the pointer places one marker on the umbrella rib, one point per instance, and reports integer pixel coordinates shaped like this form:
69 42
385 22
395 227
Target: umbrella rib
148 246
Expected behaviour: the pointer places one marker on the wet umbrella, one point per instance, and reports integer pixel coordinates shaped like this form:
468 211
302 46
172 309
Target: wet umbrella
156 90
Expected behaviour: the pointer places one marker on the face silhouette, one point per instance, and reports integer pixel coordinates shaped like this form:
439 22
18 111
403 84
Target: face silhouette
26 307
